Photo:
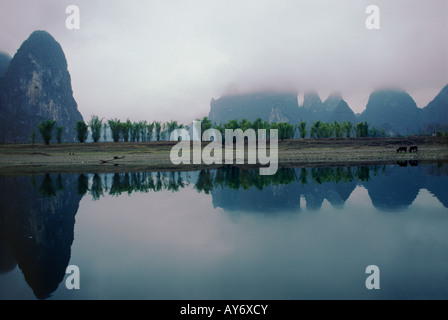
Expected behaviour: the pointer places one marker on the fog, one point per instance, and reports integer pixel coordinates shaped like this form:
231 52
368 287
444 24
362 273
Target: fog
163 60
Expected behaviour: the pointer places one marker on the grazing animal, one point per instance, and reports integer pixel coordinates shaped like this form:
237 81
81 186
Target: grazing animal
404 149
413 149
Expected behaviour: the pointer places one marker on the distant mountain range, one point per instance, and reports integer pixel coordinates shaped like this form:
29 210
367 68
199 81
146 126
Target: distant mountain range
269 106
393 110
35 85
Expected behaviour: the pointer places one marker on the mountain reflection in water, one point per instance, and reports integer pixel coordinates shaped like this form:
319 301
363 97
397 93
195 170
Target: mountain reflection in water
390 187
37 219
37 213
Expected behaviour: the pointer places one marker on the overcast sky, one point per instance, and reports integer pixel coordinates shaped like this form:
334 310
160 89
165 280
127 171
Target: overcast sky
166 59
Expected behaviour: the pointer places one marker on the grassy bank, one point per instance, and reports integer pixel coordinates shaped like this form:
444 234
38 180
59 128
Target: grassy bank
151 156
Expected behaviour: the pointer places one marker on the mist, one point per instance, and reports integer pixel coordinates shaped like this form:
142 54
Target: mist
163 60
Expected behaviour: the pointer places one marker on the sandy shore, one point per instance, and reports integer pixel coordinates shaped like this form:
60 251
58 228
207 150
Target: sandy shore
155 156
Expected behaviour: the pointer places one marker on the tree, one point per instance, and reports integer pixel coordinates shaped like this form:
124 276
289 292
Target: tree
171 126
134 131
46 130
220 128
142 129
164 127
374 132
362 129
137 131
231 124
149 131
315 129
114 125
205 124
348 126
245 124
125 128
285 130
81 131
267 126
105 132
302 129
158 129
257 124
59 131
96 125
325 130
338 129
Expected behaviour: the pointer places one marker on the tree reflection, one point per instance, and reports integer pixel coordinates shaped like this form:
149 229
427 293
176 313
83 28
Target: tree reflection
342 174
206 181
303 176
83 184
47 188
59 183
239 179
128 182
363 173
235 178
96 190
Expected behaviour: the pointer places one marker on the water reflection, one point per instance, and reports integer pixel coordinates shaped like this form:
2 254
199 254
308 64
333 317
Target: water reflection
98 185
37 218
37 213
390 187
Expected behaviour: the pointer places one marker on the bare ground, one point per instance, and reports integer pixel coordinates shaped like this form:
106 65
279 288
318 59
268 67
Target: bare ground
155 156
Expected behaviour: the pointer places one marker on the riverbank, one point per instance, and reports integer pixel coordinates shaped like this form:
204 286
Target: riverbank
18 159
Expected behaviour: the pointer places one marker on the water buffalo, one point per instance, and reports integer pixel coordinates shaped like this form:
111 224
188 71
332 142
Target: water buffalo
400 149
413 149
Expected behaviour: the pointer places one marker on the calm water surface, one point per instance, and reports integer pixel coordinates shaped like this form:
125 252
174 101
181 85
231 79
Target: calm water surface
305 233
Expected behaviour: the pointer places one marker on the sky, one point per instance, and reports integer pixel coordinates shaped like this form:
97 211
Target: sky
166 59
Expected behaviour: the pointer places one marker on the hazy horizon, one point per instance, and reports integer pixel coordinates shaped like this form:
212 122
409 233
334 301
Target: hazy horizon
164 60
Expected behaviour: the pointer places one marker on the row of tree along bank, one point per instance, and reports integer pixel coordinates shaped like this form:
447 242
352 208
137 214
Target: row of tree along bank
128 131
